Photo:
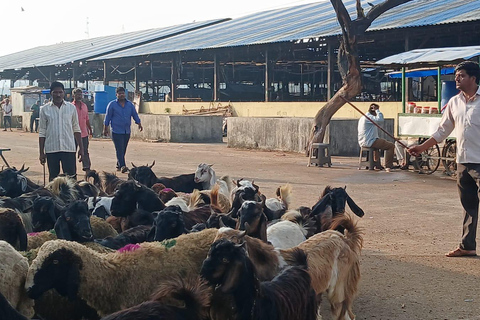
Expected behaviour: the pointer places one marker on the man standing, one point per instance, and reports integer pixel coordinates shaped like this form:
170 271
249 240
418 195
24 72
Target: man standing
35 114
368 135
58 132
84 123
462 113
7 114
119 115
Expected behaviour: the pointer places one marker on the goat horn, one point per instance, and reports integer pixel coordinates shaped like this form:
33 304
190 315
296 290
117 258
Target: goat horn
133 165
153 163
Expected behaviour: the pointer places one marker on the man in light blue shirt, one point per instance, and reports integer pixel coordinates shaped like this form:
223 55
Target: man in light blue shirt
119 115
368 135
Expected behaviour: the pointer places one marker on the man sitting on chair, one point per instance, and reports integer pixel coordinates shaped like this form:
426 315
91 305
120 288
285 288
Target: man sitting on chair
368 135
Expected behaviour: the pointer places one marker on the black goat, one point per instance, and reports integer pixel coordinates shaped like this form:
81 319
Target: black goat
169 223
175 300
133 235
7 312
289 296
13 183
74 223
242 193
45 212
253 220
332 203
218 220
12 229
181 183
131 195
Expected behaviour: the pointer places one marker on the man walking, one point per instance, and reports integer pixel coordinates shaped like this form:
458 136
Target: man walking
462 113
7 114
58 132
84 123
34 117
119 115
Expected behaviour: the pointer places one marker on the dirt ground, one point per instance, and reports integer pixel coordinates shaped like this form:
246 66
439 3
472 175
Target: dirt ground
410 220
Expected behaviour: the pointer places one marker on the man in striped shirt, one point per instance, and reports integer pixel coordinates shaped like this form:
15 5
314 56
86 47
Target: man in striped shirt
58 131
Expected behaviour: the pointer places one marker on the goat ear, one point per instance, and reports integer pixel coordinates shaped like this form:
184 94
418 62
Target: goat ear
210 165
153 163
263 228
22 237
213 178
353 206
137 184
23 182
133 165
321 205
62 230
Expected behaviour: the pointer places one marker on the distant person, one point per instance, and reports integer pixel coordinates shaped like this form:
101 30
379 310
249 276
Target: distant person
7 114
118 116
34 117
462 114
57 133
368 135
84 123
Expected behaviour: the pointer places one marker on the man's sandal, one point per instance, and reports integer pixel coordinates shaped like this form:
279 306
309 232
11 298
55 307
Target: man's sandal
459 252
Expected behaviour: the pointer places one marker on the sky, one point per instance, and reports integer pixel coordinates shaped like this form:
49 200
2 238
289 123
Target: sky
31 23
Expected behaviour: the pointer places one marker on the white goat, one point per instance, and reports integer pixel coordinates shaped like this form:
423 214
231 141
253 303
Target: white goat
205 175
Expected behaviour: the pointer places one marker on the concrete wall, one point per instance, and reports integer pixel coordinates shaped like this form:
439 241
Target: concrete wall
291 134
197 129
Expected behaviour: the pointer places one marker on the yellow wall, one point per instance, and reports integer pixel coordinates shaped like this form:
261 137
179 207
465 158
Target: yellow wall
272 109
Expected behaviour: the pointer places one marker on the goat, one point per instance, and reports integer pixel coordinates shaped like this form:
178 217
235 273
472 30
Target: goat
175 299
131 195
133 235
138 218
218 220
181 183
74 223
245 190
12 229
205 175
252 219
275 207
332 203
13 183
288 296
169 223
45 212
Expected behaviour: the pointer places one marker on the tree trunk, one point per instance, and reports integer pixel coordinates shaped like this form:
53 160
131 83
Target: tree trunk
348 63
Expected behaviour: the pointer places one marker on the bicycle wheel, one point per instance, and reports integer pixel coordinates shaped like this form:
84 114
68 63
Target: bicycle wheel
428 161
450 156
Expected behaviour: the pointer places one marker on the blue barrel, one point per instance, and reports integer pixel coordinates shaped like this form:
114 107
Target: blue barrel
101 102
449 89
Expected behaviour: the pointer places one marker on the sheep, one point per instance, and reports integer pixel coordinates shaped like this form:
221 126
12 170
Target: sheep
112 282
181 183
332 203
333 260
288 296
175 299
13 272
285 234
131 195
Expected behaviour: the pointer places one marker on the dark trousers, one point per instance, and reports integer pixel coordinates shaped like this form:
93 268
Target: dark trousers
121 142
32 121
5 120
69 164
468 182
86 156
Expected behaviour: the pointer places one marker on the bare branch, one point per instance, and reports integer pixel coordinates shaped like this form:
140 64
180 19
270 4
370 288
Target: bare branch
359 25
360 12
342 15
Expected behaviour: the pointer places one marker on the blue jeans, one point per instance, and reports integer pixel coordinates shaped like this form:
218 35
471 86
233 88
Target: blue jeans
121 142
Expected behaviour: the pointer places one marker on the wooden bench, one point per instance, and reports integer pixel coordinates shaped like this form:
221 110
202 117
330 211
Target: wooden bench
1 155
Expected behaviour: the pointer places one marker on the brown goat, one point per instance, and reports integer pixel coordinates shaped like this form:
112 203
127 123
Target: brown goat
329 253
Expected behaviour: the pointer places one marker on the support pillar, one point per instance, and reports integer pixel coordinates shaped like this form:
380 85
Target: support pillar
215 78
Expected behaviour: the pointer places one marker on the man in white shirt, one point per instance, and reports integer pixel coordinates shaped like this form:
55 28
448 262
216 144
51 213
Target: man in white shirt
7 114
463 114
58 131
368 135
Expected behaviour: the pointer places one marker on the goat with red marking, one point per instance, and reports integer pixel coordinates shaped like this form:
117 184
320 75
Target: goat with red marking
289 296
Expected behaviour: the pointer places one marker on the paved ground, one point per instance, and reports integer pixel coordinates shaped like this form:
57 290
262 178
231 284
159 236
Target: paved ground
411 220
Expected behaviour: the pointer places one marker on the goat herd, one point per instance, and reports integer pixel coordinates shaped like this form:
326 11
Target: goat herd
188 247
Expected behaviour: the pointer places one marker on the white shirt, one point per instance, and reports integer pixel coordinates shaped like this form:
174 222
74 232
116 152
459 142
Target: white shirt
57 126
367 131
7 109
464 117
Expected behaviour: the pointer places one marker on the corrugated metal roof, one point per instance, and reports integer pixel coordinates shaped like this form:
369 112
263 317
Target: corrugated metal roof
62 53
431 55
313 20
